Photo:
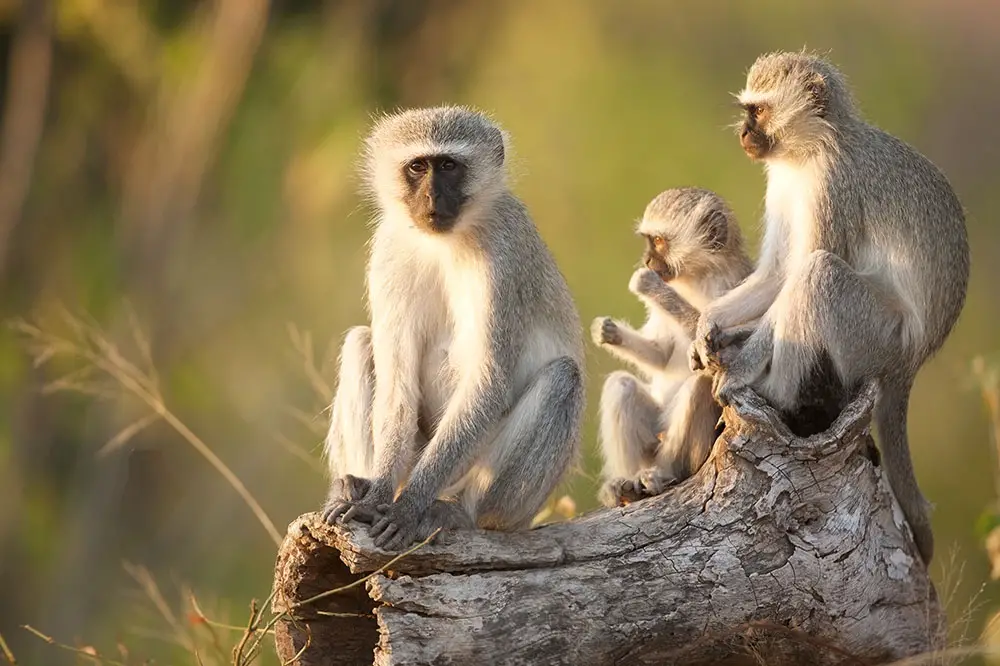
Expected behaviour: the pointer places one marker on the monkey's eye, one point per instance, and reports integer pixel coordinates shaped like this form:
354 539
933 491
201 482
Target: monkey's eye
447 165
417 166
660 244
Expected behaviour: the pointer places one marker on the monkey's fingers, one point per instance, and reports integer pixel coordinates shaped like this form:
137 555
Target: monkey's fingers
380 525
360 513
401 540
334 511
694 358
383 539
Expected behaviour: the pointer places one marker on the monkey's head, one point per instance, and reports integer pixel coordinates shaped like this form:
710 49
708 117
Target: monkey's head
792 105
435 165
689 232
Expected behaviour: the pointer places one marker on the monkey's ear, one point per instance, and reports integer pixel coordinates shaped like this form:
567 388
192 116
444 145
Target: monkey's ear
498 145
819 93
716 230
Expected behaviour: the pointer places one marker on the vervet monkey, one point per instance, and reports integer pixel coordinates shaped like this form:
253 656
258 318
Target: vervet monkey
461 404
864 264
659 429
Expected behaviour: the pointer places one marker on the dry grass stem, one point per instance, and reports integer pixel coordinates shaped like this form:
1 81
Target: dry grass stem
303 345
5 651
88 653
90 346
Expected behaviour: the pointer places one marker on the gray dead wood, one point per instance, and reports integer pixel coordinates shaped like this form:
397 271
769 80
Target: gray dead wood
788 549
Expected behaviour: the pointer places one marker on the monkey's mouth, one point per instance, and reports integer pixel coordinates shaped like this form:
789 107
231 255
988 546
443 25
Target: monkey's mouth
755 143
438 222
661 268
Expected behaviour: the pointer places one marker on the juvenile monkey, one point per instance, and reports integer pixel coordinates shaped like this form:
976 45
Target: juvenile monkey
660 429
461 404
864 264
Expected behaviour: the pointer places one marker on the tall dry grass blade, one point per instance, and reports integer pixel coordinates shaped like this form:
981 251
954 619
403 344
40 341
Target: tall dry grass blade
94 348
5 651
127 433
87 653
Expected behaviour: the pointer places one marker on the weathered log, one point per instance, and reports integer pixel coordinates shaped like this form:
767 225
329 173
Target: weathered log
791 549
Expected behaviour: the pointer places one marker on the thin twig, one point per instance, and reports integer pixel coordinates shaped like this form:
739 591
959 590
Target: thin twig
255 620
302 343
148 584
209 625
294 658
328 593
300 452
247 633
87 653
5 651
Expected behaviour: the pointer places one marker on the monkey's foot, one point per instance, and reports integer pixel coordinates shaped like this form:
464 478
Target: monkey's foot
654 481
444 515
399 524
352 498
622 491
605 331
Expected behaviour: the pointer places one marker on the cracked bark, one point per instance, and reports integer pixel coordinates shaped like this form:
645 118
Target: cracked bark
786 549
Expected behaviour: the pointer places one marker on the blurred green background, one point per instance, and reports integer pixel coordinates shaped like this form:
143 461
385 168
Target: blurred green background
196 160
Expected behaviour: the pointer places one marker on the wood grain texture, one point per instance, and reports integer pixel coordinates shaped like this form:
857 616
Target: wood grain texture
789 549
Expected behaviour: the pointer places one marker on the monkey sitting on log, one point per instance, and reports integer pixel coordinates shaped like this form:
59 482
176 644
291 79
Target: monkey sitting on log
461 404
863 268
659 429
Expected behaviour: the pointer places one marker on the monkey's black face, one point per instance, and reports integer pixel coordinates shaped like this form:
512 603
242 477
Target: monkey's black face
754 139
435 191
657 250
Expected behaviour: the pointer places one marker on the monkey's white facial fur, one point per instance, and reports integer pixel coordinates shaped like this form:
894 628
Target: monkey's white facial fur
793 103
436 166
689 232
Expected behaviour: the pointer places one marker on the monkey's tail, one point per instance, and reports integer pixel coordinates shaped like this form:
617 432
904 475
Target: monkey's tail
890 419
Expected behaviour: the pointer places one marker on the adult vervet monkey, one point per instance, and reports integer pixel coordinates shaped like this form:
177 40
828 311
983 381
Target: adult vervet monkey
658 428
864 264
461 404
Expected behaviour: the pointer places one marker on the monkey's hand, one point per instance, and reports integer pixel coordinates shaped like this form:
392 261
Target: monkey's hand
704 353
694 358
645 282
399 524
355 498
605 332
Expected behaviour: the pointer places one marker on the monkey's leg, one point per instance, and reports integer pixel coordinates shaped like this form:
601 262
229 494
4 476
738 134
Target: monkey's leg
533 446
689 436
630 423
843 316
349 447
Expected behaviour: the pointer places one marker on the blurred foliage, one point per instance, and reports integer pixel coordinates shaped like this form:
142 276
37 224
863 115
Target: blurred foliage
195 160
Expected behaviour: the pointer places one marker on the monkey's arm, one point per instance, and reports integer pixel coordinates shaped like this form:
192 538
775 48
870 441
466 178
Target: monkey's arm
475 409
629 345
747 302
396 359
648 286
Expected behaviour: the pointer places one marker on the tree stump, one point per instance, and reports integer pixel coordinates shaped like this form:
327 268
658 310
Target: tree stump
779 550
